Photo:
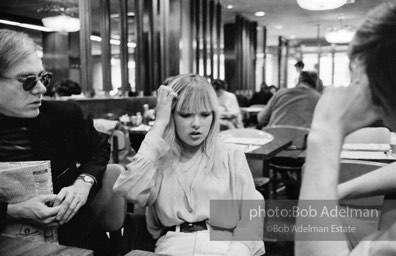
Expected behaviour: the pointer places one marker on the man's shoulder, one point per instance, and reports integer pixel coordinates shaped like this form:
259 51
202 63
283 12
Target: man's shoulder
60 111
59 107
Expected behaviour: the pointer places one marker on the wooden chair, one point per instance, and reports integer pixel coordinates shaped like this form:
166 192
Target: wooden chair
110 208
284 166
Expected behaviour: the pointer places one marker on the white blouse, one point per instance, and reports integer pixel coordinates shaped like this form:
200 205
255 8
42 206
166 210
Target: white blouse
178 192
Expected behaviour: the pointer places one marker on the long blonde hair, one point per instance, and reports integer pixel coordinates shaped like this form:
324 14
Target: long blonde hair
195 94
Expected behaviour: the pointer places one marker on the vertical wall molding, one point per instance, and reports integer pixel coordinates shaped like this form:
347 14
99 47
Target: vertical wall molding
124 54
158 24
283 56
84 8
240 47
105 44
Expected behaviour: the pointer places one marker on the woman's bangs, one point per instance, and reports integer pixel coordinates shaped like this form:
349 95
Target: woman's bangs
194 99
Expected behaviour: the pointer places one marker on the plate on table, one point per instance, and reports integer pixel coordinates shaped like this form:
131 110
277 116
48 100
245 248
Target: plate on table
246 137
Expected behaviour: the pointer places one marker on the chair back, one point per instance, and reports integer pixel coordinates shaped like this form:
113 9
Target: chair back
378 135
109 207
296 133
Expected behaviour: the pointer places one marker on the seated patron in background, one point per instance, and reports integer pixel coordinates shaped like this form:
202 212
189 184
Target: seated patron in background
294 106
181 166
32 129
262 97
230 113
299 68
67 87
272 89
370 96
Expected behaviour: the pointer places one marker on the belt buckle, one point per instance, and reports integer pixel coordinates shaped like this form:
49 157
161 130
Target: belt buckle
190 227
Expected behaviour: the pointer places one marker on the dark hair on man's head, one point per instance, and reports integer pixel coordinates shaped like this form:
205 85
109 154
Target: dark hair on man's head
299 64
219 84
374 47
308 77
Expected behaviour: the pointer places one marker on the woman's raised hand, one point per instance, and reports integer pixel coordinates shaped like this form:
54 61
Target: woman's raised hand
165 96
346 109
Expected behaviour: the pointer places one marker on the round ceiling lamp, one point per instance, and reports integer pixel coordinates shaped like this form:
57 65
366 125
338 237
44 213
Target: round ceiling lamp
342 35
320 5
62 23
60 17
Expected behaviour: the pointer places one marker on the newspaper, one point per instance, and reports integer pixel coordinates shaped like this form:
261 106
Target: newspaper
19 182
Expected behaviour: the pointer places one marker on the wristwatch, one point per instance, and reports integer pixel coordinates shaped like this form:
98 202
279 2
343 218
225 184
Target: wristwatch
87 179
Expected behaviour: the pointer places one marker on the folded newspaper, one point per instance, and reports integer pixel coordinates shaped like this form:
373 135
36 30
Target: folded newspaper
19 182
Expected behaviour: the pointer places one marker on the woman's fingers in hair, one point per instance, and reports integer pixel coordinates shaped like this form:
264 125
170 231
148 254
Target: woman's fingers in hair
165 93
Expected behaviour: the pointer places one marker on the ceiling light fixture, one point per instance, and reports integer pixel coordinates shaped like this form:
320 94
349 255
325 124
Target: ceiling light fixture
230 6
259 14
62 23
341 34
62 20
320 5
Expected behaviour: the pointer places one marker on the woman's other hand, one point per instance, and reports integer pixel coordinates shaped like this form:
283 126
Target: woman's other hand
165 98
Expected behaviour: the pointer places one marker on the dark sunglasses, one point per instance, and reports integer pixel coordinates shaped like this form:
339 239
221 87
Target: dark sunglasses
29 82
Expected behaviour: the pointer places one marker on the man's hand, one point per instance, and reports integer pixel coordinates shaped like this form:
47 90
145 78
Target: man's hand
36 210
71 199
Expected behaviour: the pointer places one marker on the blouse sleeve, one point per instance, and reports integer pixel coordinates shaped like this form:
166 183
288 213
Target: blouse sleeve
140 182
248 234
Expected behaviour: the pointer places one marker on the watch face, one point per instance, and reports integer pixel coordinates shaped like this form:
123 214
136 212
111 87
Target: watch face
87 179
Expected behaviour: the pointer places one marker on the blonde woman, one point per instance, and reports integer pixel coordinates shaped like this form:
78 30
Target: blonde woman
181 166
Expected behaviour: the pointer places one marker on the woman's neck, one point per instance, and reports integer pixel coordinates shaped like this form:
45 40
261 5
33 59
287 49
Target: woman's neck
188 151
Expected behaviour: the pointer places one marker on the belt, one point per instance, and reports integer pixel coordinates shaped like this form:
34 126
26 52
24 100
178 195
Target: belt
187 227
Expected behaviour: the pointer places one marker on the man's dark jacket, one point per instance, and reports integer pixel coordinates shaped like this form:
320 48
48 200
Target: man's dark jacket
61 134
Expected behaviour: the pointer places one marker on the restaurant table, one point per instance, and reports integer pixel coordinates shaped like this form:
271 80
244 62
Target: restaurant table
265 152
249 114
143 253
20 247
257 145
360 155
364 151
251 110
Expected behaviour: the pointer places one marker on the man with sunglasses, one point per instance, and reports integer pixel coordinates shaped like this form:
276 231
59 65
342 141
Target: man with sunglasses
32 129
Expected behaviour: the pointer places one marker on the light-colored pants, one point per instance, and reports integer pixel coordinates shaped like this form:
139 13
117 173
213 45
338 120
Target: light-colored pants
194 244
